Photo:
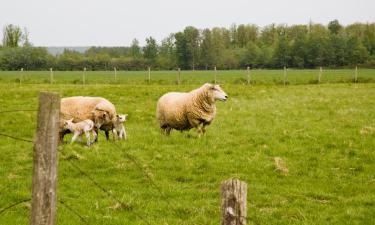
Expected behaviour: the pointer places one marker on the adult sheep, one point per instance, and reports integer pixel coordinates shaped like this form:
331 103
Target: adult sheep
101 111
183 111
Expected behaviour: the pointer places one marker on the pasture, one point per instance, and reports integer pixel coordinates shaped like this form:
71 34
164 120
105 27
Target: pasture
324 133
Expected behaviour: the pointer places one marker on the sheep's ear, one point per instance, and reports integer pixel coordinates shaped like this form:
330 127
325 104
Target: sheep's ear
71 120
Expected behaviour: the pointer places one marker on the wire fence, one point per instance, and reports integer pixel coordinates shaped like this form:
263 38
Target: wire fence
86 174
183 77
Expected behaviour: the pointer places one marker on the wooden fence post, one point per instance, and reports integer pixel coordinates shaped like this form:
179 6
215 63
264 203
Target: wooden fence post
44 181
284 75
233 202
320 74
115 74
50 76
356 74
215 75
84 76
179 76
149 75
21 75
248 75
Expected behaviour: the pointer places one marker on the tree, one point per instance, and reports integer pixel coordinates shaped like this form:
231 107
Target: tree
135 50
150 51
334 27
206 49
192 43
12 36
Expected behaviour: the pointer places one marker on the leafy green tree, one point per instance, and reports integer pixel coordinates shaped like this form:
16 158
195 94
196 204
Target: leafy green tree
12 36
150 51
206 49
192 43
334 27
135 50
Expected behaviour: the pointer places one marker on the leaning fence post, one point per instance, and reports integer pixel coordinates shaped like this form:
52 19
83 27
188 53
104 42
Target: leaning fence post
215 74
84 76
356 74
179 76
248 75
21 75
233 202
149 75
44 181
50 76
284 75
115 74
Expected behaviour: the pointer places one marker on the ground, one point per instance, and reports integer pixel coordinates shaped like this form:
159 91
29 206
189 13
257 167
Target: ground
322 133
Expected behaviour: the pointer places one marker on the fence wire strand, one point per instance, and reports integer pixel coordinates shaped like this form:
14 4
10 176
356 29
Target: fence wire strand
73 211
16 138
14 204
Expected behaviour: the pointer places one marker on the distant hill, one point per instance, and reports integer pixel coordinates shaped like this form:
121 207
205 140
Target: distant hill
60 50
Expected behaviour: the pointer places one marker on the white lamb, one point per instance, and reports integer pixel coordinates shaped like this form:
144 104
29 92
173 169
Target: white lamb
119 128
85 126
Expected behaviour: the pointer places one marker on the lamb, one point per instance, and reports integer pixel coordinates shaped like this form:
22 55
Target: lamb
119 128
85 126
195 109
101 111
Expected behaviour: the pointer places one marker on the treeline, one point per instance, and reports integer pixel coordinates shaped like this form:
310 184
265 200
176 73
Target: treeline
273 46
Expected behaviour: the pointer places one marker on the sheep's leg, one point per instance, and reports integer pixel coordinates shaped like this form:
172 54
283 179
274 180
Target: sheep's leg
168 131
74 138
95 135
114 132
96 132
87 133
107 135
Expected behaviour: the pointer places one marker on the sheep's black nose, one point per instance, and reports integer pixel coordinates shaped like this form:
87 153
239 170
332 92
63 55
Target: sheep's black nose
226 96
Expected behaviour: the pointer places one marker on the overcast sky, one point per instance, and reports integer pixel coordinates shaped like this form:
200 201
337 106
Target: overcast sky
118 22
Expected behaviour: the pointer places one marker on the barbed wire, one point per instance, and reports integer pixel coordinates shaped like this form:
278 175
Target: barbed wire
14 204
73 211
16 138
108 193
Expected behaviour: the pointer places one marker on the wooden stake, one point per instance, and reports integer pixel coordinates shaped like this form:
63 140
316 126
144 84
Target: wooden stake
21 75
320 74
356 74
50 76
115 70
43 202
215 75
84 76
233 202
179 76
149 75
248 75
284 75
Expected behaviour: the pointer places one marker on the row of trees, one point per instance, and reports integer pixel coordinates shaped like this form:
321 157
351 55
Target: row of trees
273 46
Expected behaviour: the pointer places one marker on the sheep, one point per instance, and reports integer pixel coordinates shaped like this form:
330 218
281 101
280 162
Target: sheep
119 128
85 126
183 111
101 111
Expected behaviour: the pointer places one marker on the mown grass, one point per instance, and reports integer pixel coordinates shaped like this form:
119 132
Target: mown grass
323 133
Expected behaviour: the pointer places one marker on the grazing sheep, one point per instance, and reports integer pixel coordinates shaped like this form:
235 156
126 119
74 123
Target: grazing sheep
101 111
183 111
119 128
85 126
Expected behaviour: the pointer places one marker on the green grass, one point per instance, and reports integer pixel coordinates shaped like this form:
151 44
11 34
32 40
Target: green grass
189 77
324 133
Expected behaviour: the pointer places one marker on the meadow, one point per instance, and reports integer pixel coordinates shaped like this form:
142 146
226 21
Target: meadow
324 133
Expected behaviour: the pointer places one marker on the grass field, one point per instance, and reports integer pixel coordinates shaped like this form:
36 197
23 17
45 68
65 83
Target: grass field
324 133
189 77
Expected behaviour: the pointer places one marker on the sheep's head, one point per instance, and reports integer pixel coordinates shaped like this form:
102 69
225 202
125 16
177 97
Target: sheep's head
68 123
121 118
100 117
215 92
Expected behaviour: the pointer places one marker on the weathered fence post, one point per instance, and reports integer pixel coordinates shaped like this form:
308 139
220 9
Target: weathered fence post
179 76
44 181
84 76
50 76
356 74
320 74
233 202
149 75
248 75
284 75
115 73
215 75
21 75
